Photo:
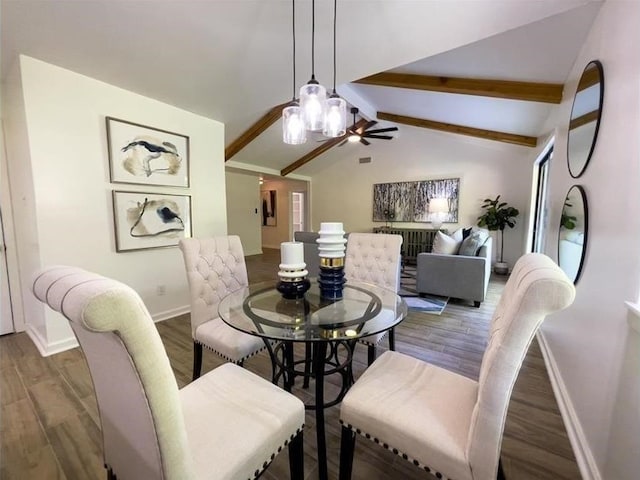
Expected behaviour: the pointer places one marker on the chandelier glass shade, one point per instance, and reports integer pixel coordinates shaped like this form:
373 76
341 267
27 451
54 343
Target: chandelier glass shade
312 103
335 117
293 131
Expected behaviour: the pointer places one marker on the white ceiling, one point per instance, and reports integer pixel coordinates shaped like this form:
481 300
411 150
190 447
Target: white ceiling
231 60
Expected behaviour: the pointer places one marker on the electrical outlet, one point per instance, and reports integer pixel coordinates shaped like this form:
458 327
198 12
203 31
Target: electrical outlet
161 290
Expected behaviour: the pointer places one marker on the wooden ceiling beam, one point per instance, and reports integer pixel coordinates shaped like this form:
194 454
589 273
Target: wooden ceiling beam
461 130
319 151
512 90
254 131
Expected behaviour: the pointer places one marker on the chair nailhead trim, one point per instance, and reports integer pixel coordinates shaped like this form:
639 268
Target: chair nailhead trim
257 473
228 358
395 450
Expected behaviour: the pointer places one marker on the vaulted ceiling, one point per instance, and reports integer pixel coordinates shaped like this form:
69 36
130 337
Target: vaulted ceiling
231 60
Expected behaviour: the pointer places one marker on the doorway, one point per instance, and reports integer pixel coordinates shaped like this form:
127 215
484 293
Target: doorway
297 212
540 212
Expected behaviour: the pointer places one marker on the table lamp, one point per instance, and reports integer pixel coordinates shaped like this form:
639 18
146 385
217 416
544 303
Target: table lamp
438 209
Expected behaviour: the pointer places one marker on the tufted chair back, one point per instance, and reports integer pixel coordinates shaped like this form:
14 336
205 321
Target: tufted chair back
215 267
143 429
374 258
536 288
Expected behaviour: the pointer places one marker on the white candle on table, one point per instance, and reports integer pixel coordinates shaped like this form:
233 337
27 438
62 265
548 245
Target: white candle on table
292 253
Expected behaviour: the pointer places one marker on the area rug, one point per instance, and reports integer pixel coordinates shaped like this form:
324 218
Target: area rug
432 304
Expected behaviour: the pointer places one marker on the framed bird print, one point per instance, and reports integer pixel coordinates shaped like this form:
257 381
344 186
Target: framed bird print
145 220
145 155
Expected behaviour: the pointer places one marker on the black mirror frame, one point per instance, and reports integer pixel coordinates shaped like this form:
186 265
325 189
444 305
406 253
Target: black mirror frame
583 254
598 65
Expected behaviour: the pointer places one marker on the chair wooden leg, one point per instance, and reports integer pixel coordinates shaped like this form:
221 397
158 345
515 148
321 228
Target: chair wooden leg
501 475
392 339
476 304
347 447
371 354
296 457
197 360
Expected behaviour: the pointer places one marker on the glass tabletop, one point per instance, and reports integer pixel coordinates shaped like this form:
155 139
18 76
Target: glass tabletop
260 309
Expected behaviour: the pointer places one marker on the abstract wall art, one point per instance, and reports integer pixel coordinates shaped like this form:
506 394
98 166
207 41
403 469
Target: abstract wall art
146 155
409 201
150 220
269 217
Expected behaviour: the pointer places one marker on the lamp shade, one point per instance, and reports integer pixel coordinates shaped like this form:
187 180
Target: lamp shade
335 117
293 131
438 205
438 209
312 102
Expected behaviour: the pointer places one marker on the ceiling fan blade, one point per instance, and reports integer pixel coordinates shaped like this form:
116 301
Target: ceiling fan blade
367 125
343 142
381 137
364 142
383 130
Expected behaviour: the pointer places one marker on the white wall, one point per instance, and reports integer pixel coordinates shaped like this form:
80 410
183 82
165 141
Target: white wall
344 190
243 210
62 195
587 341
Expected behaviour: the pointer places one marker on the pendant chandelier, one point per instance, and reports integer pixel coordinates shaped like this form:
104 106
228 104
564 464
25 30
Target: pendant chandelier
315 112
293 130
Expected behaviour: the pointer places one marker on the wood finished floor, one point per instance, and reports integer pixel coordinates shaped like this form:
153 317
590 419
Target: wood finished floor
50 429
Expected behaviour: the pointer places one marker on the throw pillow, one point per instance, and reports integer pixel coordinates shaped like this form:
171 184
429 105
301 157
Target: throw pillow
444 244
466 232
472 244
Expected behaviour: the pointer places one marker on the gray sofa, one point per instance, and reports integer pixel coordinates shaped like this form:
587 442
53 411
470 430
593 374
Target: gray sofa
456 276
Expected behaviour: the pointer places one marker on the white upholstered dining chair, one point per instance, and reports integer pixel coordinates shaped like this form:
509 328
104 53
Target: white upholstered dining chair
216 267
447 424
228 424
374 258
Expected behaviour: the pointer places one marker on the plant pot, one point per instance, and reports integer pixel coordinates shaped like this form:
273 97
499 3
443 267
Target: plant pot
501 268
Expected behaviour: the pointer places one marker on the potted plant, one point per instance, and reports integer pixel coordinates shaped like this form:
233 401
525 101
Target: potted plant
498 216
568 221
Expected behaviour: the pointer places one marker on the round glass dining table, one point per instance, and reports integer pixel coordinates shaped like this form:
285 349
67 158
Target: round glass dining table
364 309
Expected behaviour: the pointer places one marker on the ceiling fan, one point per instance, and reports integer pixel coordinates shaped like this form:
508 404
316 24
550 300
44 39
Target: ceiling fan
361 134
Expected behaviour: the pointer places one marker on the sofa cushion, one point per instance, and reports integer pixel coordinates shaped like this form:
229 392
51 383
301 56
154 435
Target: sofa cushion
445 245
471 245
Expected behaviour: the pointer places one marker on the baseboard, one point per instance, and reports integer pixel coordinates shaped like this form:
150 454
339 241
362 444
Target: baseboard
45 348
173 312
584 457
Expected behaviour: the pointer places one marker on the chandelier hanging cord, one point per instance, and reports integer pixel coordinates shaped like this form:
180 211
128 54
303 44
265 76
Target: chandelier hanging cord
313 42
293 28
335 16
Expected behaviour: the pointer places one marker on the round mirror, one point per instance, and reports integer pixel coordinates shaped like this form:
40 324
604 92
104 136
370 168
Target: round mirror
585 118
572 238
